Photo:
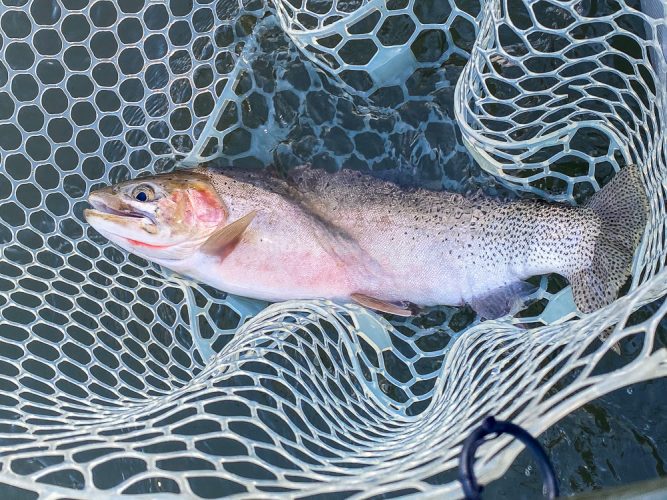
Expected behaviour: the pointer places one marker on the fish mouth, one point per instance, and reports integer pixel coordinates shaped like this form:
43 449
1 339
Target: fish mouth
101 208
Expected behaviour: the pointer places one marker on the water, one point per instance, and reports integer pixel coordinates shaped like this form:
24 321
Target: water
98 122
617 439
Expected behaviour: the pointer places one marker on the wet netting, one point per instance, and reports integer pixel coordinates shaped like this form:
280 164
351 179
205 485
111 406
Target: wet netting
118 378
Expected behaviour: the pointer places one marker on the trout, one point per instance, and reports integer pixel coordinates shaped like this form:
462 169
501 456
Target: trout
352 237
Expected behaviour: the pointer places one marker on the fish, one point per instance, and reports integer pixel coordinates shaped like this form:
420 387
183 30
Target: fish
352 237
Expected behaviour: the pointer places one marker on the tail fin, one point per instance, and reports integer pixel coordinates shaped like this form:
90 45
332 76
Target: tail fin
622 207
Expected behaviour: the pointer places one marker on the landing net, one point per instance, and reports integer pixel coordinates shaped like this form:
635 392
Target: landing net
117 378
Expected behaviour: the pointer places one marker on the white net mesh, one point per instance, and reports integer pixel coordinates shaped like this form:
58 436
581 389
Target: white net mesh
115 377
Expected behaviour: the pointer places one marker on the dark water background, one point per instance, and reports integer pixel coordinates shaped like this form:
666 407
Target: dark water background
617 439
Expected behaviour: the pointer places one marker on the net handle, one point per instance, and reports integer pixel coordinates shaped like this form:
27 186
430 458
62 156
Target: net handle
471 488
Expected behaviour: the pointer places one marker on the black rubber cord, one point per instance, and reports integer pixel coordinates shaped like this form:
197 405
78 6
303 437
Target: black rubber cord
490 425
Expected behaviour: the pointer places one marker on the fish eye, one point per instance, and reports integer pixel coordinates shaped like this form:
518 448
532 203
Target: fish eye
143 193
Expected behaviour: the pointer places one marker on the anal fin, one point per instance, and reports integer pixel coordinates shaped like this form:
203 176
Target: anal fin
501 301
383 306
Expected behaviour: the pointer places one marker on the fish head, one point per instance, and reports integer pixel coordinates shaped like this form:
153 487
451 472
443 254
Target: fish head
165 217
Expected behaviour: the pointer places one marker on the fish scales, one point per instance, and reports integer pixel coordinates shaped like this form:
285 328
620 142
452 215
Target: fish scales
445 248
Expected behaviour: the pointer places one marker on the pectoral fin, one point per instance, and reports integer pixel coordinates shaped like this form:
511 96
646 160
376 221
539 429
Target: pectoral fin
382 306
227 234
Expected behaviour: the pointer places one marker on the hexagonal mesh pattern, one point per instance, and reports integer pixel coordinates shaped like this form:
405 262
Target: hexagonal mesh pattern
557 96
119 378
555 99
370 43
